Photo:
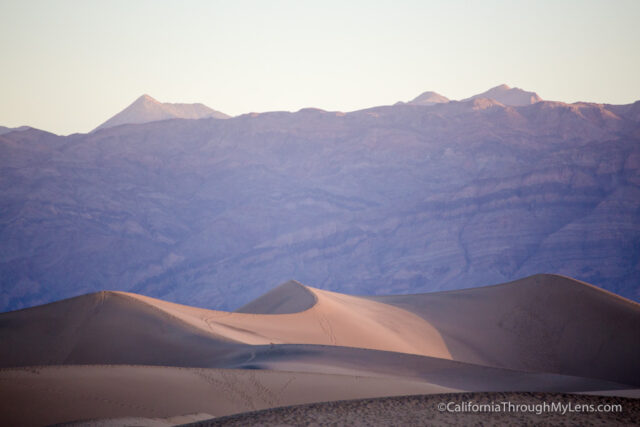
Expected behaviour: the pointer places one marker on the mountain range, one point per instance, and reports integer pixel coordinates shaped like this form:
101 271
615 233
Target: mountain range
146 109
503 94
420 196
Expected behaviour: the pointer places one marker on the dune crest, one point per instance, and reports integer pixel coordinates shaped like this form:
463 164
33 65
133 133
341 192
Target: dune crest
290 297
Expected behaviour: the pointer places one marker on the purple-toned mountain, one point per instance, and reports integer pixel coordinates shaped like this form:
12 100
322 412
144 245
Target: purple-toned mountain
146 109
4 129
508 96
429 98
502 94
393 199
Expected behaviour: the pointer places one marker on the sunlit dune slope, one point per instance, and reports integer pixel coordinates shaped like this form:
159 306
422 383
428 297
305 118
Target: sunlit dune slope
544 323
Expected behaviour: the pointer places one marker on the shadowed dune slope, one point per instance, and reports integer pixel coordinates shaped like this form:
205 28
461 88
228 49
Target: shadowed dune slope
544 323
443 372
67 393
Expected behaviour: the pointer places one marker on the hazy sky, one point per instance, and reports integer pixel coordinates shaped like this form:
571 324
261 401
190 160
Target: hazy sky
67 66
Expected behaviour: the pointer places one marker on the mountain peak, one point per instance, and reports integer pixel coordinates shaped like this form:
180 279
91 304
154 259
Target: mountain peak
428 98
147 98
148 109
508 96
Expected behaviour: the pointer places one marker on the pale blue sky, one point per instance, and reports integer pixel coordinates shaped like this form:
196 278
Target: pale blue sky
69 65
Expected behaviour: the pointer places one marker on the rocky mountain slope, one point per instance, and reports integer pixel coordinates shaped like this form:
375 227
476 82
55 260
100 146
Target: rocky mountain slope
394 199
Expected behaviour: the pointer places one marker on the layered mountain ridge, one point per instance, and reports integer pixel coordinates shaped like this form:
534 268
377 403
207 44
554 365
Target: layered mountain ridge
390 199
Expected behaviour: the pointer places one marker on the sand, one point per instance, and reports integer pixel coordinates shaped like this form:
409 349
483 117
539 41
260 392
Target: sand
145 330
288 298
122 355
54 394
543 323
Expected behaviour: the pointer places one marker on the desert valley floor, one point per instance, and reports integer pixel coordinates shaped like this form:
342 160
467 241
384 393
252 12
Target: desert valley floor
120 358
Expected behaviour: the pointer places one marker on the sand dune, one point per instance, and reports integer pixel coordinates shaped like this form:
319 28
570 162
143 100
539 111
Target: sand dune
78 329
178 420
104 328
297 344
290 297
334 319
67 393
543 323
443 372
